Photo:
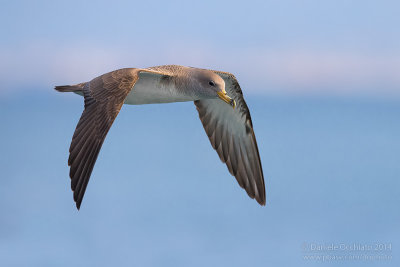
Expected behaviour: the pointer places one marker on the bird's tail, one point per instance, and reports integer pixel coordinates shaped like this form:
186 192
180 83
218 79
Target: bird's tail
70 88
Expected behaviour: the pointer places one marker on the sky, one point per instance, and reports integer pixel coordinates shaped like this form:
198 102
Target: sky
321 79
292 47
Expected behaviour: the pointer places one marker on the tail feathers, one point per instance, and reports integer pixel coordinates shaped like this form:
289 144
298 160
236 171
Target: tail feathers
70 88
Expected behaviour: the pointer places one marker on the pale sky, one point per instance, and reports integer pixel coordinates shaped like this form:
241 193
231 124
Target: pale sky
333 47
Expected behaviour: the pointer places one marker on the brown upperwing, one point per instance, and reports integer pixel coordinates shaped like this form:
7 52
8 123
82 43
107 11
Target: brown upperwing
104 97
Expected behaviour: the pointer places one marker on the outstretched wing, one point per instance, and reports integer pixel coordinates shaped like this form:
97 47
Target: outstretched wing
104 97
231 134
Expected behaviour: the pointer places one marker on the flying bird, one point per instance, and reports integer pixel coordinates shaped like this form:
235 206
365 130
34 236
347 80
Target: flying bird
216 95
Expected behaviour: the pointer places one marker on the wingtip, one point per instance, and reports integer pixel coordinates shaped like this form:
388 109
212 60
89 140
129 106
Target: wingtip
78 202
261 202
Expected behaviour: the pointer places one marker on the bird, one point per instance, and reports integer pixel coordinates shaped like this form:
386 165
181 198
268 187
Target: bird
218 99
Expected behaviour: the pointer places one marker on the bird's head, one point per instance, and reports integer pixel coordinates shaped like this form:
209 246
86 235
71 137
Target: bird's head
210 85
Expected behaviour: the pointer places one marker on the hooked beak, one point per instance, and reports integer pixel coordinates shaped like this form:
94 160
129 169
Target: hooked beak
223 96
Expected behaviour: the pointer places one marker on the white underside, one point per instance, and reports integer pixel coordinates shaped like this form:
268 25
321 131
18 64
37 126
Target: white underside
150 89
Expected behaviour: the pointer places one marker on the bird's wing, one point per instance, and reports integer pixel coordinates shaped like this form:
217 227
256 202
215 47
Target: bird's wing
231 134
104 97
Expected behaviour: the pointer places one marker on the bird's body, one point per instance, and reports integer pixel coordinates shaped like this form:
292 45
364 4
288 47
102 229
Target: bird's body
151 89
227 122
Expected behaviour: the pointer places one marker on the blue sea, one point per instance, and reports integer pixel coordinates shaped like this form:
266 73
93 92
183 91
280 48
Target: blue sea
159 195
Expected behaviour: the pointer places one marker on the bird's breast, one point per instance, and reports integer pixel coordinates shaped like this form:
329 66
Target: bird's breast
150 90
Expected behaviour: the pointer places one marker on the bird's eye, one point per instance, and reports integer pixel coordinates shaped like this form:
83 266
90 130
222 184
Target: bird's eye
212 83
